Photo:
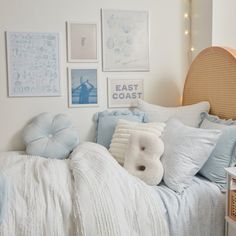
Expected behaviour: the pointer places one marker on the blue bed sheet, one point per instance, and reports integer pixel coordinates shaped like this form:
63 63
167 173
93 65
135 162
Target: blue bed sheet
198 211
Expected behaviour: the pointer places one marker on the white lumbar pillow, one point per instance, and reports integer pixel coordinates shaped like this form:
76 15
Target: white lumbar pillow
142 158
189 115
122 134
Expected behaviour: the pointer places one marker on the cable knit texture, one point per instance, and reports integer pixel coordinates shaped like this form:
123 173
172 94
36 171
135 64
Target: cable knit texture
87 194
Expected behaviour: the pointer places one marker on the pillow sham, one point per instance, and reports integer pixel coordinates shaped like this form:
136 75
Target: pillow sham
188 115
186 151
223 154
124 129
106 122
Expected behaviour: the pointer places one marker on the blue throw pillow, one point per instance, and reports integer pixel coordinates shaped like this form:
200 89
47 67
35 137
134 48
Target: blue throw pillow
50 136
223 154
106 123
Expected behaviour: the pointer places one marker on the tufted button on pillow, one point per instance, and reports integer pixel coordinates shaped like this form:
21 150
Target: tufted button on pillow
50 136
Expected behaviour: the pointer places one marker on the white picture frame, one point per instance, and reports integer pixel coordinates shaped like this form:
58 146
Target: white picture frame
83 86
124 91
125 40
82 42
33 64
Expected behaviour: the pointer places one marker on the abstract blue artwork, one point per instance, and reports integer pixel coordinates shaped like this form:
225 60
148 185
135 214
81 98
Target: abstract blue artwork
83 87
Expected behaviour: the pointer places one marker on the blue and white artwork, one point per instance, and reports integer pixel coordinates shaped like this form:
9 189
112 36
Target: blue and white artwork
33 64
83 85
125 40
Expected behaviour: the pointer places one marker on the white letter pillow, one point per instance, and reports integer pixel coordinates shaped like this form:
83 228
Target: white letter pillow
142 158
189 115
50 136
122 133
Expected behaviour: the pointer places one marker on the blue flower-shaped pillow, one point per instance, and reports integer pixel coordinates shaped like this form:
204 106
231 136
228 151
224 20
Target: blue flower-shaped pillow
50 136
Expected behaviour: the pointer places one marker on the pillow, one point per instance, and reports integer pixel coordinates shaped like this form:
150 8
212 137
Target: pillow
186 151
188 115
106 122
142 158
223 154
122 134
50 136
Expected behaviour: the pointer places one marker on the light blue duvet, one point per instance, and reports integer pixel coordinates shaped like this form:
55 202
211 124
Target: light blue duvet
198 211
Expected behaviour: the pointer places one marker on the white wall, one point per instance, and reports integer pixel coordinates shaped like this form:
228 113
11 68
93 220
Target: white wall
201 25
163 84
223 23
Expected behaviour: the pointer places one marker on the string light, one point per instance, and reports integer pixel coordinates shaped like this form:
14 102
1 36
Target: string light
187 15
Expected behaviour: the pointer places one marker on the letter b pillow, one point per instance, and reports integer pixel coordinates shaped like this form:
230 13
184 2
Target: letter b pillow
143 155
50 136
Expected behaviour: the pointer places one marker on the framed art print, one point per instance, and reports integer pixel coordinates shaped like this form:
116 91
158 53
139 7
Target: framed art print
33 64
83 87
82 42
124 92
125 40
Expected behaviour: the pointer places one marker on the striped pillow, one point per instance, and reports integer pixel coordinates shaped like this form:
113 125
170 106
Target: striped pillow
122 134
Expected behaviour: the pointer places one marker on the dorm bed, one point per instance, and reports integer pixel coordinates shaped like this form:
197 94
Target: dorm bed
91 194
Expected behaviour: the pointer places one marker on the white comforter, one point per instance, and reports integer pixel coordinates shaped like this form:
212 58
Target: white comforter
88 194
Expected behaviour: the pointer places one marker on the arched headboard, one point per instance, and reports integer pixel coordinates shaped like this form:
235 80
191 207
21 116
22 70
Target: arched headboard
212 77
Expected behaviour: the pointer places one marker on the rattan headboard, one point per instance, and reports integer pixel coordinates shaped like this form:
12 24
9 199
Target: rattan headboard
212 77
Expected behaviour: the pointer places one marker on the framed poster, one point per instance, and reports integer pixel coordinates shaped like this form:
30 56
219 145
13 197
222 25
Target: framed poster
82 42
125 39
124 92
83 87
33 64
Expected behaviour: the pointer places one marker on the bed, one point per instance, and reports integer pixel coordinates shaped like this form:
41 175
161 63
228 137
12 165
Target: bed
91 194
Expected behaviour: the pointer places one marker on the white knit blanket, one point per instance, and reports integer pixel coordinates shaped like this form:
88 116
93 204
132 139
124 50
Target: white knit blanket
88 194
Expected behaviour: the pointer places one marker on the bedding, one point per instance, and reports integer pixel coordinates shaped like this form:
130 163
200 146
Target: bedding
87 194
224 154
199 211
189 115
3 195
106 123
50 136
142 158
186 151
123 130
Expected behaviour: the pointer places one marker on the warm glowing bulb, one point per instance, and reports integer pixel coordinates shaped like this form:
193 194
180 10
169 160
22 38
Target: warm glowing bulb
185 15
192 49
186 32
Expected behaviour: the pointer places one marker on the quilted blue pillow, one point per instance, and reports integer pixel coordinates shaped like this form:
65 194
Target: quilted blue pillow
106 123
50 136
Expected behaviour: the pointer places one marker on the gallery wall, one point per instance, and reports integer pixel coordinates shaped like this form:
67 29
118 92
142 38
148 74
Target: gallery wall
163 84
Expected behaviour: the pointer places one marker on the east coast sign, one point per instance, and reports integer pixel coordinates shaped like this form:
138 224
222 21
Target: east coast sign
124 92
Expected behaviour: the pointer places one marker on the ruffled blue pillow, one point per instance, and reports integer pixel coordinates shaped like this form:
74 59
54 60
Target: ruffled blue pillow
106 123
50 136
224 153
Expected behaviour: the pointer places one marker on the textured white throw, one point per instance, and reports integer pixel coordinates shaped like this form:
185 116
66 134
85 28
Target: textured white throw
88 194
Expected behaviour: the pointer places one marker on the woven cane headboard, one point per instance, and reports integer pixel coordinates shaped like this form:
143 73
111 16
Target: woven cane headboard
212 77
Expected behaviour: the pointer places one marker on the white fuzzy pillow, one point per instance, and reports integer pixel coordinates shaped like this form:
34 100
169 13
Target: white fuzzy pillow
122 134
189 115
186 151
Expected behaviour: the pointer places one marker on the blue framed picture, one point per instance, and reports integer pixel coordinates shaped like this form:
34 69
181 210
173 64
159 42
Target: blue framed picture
83 87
